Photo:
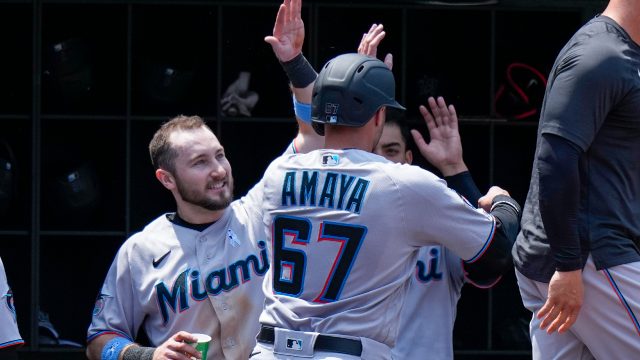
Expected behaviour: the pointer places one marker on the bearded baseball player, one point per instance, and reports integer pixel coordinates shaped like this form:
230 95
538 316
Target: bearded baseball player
200 269
10 339
346 226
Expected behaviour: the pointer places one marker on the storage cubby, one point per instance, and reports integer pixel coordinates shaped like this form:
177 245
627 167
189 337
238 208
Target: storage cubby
83 175
174 59
84 59
85 84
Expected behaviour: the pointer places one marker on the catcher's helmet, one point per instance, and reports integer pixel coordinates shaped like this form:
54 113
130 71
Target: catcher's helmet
349 90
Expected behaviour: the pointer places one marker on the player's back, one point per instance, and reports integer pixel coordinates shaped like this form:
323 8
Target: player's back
345 229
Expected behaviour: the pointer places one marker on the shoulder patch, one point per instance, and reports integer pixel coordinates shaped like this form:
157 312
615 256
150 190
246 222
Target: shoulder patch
99 305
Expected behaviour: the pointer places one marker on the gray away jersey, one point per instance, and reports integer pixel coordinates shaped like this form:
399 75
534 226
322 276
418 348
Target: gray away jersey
345 230
9 334
169 278
429 312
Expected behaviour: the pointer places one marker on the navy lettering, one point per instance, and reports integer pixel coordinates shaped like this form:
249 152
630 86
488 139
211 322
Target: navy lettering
433 272
308 188
288 189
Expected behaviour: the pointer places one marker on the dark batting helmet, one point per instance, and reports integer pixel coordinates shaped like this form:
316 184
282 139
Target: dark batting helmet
350 89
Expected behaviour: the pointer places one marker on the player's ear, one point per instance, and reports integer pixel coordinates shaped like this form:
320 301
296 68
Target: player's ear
165 178
408 155
380 116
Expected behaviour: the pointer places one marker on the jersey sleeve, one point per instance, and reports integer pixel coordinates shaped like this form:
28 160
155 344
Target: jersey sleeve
581 92
9 334
252 201
115 310
437 214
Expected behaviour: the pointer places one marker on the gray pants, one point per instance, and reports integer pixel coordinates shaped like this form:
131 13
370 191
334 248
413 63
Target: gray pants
607 325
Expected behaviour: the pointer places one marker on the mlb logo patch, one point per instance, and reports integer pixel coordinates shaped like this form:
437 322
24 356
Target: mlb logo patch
330 159
294 344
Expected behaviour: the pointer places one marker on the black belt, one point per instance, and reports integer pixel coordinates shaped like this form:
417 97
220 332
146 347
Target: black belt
326 343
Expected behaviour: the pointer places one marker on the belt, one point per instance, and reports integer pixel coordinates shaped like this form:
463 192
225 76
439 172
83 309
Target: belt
326 343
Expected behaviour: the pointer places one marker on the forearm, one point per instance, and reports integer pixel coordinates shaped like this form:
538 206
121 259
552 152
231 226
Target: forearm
120 349
559 196
497 259
463 183
94 348
302 78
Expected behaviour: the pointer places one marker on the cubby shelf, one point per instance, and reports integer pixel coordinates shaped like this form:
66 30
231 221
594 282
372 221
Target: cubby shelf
88 82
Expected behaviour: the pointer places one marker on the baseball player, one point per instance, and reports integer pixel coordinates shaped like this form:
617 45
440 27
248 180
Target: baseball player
577 256
346 226
10 339
440 274
436 284
199 269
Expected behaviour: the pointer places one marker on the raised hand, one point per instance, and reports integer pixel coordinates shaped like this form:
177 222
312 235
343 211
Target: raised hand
370 41
444 151
288 31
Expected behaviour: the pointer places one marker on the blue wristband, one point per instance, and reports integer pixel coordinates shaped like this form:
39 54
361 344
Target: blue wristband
303 111
113 348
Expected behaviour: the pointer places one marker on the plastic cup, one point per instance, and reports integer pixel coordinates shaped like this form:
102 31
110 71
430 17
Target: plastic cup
202 344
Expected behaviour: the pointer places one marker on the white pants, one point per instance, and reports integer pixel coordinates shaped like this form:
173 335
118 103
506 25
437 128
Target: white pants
607 326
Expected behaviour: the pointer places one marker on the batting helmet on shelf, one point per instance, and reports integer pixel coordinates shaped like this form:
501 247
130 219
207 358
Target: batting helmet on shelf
350 89
7 176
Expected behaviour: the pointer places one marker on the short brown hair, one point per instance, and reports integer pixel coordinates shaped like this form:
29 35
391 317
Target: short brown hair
160 149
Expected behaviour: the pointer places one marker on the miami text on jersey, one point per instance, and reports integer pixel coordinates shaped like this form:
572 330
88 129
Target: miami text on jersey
200 287
339 191
425 273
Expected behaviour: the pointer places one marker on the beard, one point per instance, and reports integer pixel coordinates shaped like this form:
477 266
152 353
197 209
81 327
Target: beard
199 198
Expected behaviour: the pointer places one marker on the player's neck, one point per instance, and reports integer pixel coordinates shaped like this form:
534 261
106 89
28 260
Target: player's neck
344 137
199 215
627 15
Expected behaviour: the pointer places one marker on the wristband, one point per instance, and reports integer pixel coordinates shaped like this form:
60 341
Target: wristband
302 110
503 199
299 71
138 353
113 347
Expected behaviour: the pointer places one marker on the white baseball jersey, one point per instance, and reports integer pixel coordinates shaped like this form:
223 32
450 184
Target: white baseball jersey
168 278
429 312
9 334
346 227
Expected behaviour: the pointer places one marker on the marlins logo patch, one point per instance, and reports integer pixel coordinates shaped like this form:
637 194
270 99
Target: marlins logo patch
9 301
330 159
99 305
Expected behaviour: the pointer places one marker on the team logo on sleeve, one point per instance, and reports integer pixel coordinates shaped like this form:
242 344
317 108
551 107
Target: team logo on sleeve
330 159
9 302
99 305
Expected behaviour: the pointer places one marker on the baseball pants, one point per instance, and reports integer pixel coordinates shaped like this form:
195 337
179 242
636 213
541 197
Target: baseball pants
607 326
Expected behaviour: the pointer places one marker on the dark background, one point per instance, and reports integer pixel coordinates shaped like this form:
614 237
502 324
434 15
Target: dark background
84 84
